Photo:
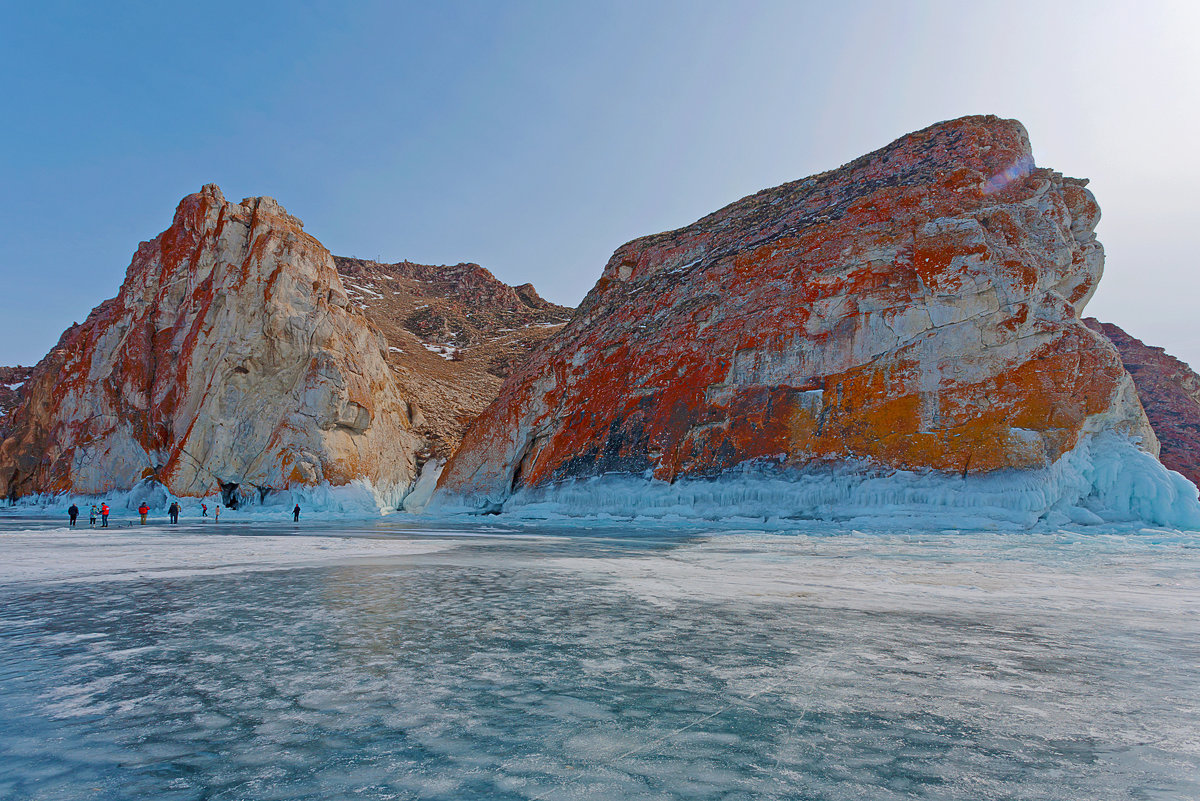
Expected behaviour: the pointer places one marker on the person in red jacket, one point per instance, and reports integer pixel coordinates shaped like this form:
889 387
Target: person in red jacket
143 510
104 515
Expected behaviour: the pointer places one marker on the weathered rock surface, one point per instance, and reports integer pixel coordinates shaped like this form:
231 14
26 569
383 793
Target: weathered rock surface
917 308
12 381
231 355
1170 393
453 332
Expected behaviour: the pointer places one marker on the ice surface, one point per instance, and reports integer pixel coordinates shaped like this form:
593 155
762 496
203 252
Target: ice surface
158 551
1105 479
826 665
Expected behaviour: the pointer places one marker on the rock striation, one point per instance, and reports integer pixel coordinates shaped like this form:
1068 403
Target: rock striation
1170 393
454 332
915 309
232 356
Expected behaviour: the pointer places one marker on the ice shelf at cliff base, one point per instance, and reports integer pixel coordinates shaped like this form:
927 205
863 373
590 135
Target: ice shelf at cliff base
913 316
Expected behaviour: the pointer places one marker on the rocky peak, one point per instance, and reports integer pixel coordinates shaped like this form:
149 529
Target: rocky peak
231 355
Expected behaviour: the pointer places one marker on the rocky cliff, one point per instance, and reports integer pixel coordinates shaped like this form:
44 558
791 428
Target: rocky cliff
453 332
915 309
12 381
232 355
1170 393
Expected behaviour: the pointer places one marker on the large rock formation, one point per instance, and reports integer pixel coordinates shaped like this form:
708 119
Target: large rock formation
916 309
454 333
1170 393
231 355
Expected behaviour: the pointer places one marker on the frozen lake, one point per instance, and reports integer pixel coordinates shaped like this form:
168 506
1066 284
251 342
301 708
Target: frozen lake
384 660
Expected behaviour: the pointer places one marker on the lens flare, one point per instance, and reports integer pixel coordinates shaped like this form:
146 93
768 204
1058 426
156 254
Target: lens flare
1017 170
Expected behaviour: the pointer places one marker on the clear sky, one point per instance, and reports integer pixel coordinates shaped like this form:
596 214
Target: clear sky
535 138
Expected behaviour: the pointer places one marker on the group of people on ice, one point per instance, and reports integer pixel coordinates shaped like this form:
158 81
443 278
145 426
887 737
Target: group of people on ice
173 512
100 511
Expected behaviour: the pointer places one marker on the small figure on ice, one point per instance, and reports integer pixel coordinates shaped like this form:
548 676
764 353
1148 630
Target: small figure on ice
203 509
173 511
92 516
296 514
143 510
74 513
104 515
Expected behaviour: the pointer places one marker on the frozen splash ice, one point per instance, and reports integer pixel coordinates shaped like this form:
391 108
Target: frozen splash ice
1104 479
359 499
831 665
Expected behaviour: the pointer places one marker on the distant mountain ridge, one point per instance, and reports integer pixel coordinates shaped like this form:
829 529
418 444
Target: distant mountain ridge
1170 393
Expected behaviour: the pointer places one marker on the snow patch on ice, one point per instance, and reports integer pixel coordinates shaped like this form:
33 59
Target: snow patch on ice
1104 479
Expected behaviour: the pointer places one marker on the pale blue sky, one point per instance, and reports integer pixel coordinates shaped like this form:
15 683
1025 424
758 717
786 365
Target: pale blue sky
535 138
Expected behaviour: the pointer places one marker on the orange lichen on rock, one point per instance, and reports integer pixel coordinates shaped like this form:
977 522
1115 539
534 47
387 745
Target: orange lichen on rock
917 308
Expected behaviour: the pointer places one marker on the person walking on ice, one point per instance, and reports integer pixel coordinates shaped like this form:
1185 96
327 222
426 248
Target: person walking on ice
74 513
296 514
143 510
173 511
104 515
92 516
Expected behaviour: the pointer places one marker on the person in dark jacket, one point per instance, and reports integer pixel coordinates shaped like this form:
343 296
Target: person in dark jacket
296 514
173 511
74 513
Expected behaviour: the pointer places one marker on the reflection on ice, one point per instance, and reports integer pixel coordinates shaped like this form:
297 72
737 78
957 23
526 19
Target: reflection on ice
825 666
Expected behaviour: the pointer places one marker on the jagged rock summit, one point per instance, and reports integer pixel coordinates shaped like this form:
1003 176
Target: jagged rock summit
232 355
916 310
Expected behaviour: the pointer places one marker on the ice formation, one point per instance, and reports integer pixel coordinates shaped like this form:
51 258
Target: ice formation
1104 479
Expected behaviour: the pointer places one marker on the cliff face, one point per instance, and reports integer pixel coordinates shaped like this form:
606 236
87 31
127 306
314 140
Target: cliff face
453 333
12 382
916 308
231 355
1170 393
